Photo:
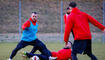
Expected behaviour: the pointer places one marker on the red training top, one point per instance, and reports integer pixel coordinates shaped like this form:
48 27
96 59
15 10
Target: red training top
65 18
63 54
78 21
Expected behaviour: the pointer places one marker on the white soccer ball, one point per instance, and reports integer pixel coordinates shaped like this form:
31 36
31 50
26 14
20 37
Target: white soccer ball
35 58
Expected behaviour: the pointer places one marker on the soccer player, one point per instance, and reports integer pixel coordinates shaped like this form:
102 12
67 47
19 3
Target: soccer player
66 15
30 28
65 18
79 21
63 54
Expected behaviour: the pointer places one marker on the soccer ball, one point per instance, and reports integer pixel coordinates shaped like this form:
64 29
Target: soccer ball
35 58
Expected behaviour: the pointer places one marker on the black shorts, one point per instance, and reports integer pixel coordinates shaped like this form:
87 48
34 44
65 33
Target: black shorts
81 46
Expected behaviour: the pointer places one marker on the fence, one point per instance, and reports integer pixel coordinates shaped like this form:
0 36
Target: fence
51 26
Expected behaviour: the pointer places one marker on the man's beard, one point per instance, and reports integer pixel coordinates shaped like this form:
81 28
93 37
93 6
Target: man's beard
66 48
68 13
34 20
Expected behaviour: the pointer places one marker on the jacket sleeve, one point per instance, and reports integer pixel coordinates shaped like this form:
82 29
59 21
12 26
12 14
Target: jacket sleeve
65 18
54 54
26 25
68 28
95 22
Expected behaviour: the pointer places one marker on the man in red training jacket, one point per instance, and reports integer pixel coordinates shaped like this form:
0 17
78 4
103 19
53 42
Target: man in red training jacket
78 21
63 54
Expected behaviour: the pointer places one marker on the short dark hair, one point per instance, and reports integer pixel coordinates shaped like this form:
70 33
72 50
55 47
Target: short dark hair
35 12
73 4
67 8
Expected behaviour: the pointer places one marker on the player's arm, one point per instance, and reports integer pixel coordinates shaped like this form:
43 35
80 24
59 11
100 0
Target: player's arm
54 54
104 31
65 18
68 27
71 58
95 22
26 25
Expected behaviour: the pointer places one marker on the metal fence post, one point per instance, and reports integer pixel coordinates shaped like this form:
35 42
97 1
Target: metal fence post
61 21
19 19
103 40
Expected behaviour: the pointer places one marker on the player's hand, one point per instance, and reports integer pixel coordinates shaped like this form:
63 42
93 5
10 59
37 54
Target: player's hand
104 31
66 43
26 28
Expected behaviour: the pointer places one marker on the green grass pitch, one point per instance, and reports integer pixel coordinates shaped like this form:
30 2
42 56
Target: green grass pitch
6 49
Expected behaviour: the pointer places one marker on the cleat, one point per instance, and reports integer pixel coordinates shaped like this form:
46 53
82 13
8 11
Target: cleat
9 59
24 54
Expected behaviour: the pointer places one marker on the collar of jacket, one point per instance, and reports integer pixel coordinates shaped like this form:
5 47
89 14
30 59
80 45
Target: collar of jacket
32 20
66 48
75 10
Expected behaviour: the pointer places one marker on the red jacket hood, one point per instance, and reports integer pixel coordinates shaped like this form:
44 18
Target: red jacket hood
76 10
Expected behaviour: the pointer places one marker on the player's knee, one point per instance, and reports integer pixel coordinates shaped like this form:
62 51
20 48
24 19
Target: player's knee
73 54
89 54
16 49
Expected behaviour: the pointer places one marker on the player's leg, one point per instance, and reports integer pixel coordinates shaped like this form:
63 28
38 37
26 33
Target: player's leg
88 50
91 56
42 57
42 48
74 50
34 44
74 56
78 47
34 49
20 45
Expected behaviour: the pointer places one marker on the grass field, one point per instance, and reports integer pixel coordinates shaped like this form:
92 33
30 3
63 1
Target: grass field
6 49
